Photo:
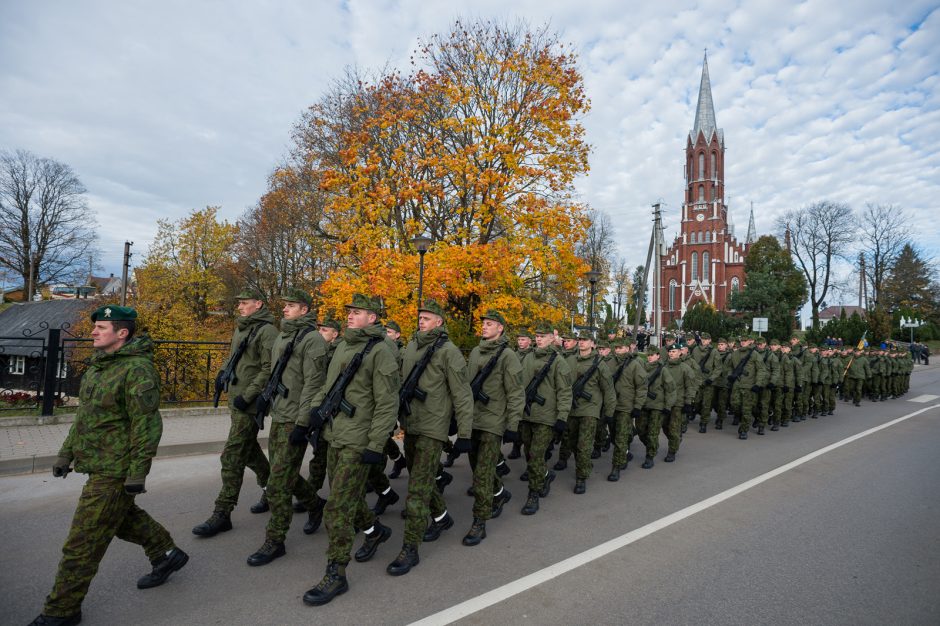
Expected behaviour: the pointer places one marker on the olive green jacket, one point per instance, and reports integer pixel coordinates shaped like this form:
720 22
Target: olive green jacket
754 372
600 386
772 365
660 386
305 372
555 387
684 380
373 392
446 384
631 387
252 370
504 387
118 426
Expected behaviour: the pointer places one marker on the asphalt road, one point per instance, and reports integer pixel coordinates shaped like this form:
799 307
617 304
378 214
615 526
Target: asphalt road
849 537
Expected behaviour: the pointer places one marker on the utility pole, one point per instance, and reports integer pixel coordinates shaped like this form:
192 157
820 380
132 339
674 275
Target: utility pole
657 274
127 262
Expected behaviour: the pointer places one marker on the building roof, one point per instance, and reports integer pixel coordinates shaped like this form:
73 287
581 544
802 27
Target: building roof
836 311
751 228
25 325
705 109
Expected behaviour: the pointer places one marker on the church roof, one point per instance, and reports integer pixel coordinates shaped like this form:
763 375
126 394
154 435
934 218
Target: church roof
705 109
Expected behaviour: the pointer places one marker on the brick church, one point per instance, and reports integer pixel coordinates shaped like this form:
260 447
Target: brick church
705 262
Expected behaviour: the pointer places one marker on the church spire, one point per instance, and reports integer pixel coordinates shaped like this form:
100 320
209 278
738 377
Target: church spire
705 109
751 229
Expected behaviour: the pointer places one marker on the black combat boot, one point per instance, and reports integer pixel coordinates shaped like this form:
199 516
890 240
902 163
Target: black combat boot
435 528
477 532
516 451
299 507
499 500
742 435
406 559
719 425
785 424
670 457
502 468
261 506
451 457
399 465
333 584
579 486
606 446
49 620
524 476
268 551
547 487
443 480
702 427
379 534
162 568
385 500
219 522
760 429
775 428
560 464
596 453
648 463
614 475
314 517
531 504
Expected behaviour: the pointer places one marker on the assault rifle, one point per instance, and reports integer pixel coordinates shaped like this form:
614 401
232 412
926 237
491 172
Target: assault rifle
738 370
476 385
622 366
652 395
532 389
227 375
410 389
334 401
274 387
577 390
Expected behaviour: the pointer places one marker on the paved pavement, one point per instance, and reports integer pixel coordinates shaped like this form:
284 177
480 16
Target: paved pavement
848 537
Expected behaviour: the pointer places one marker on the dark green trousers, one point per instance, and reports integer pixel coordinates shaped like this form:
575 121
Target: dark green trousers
285 480
484 455
535 441
241 450
422 455
346 509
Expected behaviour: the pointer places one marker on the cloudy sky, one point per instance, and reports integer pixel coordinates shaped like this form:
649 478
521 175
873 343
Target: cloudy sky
162 107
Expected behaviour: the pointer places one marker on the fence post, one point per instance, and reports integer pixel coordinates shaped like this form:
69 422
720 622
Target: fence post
53 350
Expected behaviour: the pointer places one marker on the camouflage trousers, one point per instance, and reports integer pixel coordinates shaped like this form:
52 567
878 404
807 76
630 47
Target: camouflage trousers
104 511
829 397
776 405
422 456
602 434
764 399
241 450
346 510
816 397
853 389
377 478
581 429
786 406
672 428
317 465
877 385
801 400
484 455
721 405
623 435
285 480
647 429
707 393
535 441
742 403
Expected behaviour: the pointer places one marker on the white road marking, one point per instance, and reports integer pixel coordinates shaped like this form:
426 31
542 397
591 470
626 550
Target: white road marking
924 399
468 607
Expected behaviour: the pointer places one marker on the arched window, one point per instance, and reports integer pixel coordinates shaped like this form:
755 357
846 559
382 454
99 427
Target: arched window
692 237
735 285
701 165
714 165
714 192
701 193
706 268
694 265
708 236
672 295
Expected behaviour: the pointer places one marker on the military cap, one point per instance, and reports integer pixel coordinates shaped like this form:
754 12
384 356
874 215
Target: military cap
544 328
393 325
362 301
249 293
761 340
569 335
603 343
722 340
704 335
774 342
297 295
114 313
496 316
526 333
329 322
674 346
431 306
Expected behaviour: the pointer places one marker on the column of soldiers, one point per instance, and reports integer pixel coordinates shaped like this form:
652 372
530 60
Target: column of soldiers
346 392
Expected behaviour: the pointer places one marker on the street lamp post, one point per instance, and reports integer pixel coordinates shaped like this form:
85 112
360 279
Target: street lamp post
421 243
593 276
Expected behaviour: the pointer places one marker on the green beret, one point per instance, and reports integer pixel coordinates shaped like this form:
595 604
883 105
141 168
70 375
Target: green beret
494 315
430 306
544 328
362 301
774 342
249 293
114 313
297 295
329 322
674 346
393 325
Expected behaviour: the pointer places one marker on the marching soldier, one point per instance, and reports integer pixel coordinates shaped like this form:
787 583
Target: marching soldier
523 347
719 379
246 372
660 397
114 443
788 377
499 398
766 395
684 380
366 395
629 380
707 360
298 368
747 379
546 411
602 437
855 377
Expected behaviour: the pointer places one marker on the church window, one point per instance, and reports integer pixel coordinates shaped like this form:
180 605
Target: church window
706 268
701 193
701 165
672 295
694 265
735 285
714 166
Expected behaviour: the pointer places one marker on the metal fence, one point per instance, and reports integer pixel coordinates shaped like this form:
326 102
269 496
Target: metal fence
43 371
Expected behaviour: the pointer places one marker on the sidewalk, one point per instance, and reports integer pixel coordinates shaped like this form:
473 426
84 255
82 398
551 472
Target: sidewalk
30 449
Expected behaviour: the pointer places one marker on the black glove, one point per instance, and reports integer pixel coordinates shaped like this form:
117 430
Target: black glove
452 428
560 426
757 389
799 387
687 409
262 405
61 469
134 486
316 422
636 413
239 403
298 436
371 457
667 413
834 385
510 436
708 382
786 389
462 445
771 386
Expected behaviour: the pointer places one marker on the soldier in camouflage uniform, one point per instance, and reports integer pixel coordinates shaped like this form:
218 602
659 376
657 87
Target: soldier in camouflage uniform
356 441
706 359
788 373
750 381
719 377
447 388
603 435
524 347
546 419
766 395
660 397
113 439
302 378
494 422
255 327
629 380
855 377
685 382
378 481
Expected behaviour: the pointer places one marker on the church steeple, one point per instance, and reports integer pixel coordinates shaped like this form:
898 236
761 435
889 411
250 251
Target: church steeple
705 109
751 228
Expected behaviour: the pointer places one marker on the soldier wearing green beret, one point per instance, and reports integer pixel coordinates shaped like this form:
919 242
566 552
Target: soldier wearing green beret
114 443
246 371
629 378
357 437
